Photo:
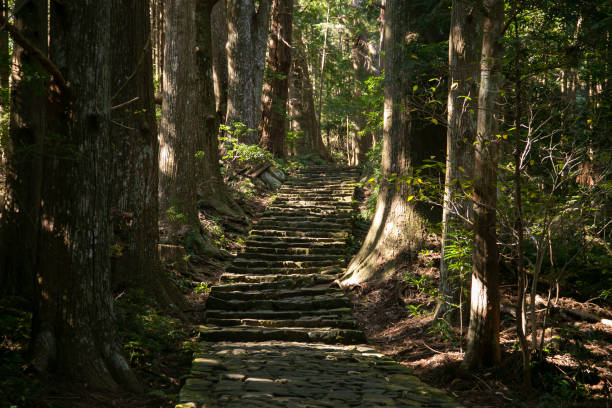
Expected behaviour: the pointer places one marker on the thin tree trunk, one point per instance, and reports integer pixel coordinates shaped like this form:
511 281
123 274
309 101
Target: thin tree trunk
302 107
322 70
23 153
362 139
74 324
397 229
464 71
522 275
276 88
157 36
5 63
246 55
219 40
483 336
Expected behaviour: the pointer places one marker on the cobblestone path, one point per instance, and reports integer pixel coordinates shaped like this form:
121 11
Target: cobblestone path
277 334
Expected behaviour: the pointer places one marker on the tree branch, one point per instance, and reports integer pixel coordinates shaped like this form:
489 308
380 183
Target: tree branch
36 53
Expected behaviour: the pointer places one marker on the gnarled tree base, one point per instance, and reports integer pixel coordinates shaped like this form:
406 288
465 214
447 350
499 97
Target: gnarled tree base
394 237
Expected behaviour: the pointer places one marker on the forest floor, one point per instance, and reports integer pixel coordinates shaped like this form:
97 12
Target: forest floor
575 370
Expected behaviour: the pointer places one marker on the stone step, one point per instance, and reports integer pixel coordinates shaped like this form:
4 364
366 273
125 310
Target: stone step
314 184
306 281
299 278
298 245
309 208
274 293
327 301
334 191
296 240
313 197
298 198
288 261
318 335
348 323
300 212
302 225
289 250
308 201
344 220
284 270
337 313
309 233
270 256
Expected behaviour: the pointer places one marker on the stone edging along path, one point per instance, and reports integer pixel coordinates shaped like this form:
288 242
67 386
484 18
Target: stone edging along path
277 334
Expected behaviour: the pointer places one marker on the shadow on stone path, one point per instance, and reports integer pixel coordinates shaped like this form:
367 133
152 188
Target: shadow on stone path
277 334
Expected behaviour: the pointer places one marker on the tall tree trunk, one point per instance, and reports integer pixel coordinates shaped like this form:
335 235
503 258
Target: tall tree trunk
188 141
212 191
483 335
246 55
179 123
303 118
276 88
5 63
397 228
157 38
134 172
464 47
322 70
23 153
219 40
362 66
73 324
5 72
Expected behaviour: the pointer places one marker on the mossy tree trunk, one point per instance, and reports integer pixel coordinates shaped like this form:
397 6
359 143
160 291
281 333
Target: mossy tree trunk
397 229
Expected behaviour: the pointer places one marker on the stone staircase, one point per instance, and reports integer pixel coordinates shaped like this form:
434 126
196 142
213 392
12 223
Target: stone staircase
278 288
277 333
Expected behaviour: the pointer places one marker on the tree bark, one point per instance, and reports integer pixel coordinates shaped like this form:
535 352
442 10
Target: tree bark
464 71
362 66
303 118
483 335
212 191
5 63
134 172
157 37
179 123
23 153
276 88
73 324
188 142
246 54
397 229
219 40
